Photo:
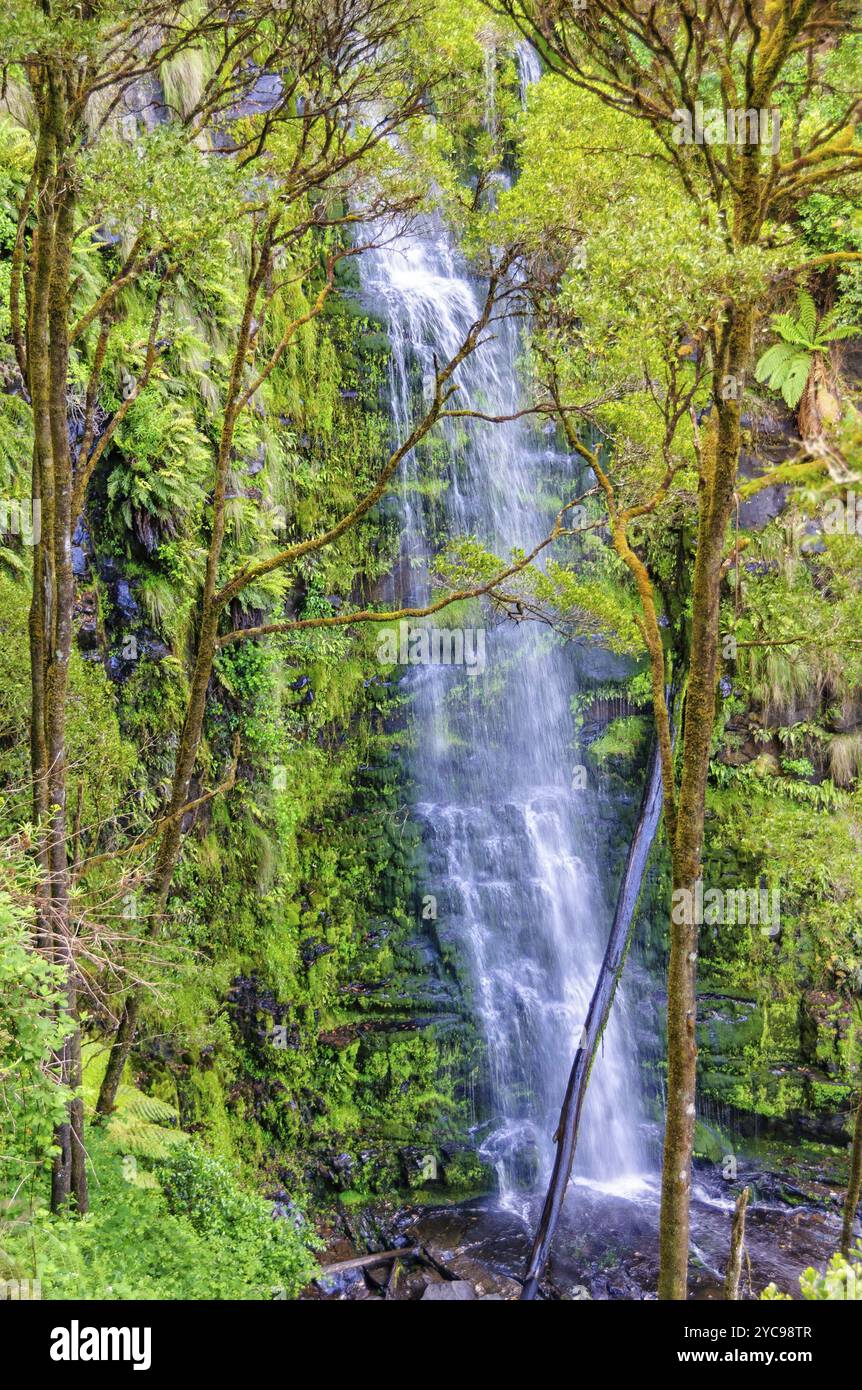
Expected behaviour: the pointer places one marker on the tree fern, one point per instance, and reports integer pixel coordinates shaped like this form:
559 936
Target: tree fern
786 366
149 1109
137 1137
139 1127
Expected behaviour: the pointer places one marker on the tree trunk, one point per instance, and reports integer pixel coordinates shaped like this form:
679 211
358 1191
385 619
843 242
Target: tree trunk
854 1184
680 1112
737 1245
718 476
600 1005
48 302
166 858
120 1048
57 673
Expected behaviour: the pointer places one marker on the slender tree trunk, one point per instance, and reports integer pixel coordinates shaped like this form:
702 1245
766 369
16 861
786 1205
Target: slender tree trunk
737 1245
160 884
854 1184
168 852
38 378
52 604
719 464
680 1113
120 1048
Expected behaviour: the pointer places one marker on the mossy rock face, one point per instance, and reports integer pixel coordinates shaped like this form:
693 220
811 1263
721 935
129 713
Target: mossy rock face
373 343
711 1143
777 1052
727 1027
465 1171
622 741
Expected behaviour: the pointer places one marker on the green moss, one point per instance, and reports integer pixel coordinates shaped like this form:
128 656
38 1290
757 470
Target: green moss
622 740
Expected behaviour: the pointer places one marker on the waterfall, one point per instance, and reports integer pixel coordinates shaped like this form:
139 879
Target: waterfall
529 66
513 842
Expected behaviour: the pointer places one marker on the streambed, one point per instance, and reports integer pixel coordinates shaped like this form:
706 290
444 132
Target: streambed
607 1242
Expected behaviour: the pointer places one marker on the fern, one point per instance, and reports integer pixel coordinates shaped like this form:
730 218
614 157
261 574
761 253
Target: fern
786 366
134 1104
807 313
138 1137
141 1126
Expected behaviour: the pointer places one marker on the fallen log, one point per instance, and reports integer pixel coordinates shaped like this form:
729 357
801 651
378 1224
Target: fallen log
378 1257
566 1137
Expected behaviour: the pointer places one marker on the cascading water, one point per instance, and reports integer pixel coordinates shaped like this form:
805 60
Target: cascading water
512 843
529 67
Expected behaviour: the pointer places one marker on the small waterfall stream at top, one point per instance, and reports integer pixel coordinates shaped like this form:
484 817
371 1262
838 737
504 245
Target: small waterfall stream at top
512 846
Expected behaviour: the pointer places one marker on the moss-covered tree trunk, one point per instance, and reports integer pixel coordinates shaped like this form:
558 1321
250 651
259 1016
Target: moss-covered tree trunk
854 1183
52 605
718 467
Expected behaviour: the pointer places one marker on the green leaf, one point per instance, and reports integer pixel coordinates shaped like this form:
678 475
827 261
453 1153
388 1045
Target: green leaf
845 330
794 381
774 358
788 328
807 313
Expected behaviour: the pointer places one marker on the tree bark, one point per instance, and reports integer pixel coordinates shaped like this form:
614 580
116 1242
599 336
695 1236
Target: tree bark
854 1184
719 464
47 361
737 1245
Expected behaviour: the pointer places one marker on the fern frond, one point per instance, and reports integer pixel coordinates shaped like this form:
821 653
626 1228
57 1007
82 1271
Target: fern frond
841 331
151 1109
8 557
773 359
795 378
787 328
139 1137
146 1179
807 313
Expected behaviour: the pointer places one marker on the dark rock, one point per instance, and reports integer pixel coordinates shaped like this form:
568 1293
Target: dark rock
343 1285
419 1165
124 601
256 464
765 505
313 950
